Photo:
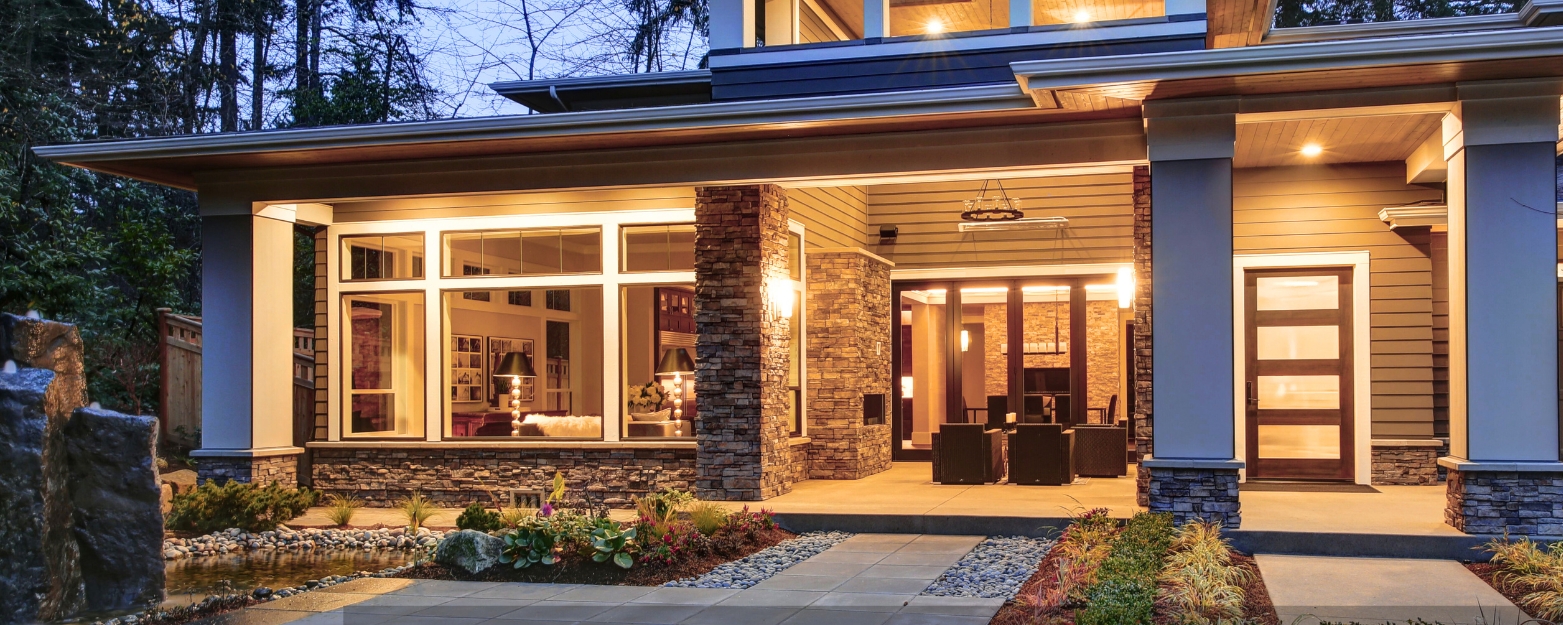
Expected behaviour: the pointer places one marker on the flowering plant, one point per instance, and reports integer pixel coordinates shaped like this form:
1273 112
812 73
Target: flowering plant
644 398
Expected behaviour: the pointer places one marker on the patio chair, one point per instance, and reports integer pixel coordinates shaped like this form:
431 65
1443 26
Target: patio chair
967 453
1040 454
1099 450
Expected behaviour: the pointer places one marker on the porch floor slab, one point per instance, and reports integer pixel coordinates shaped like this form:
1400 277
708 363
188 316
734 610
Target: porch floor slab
1308 589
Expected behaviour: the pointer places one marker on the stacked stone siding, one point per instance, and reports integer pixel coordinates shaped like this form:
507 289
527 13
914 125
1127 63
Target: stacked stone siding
848 357
741 351
802 460
461 475
1524 504
1142 328
1196 494
1406 465
280 469
1102 343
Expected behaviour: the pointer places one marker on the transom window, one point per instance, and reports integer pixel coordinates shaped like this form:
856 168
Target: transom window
523 252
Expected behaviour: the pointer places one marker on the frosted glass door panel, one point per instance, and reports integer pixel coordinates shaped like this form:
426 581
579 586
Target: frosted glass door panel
1298 293
1299 441
1298 342
1299 392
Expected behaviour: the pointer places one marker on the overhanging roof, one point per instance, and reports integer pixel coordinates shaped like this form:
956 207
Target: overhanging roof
599 93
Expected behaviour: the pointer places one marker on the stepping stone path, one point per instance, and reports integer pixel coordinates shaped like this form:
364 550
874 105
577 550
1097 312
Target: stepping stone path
869 579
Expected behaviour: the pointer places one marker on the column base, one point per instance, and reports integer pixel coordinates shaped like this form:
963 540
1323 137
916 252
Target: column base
1523 503
1407 462
248 467
1195 493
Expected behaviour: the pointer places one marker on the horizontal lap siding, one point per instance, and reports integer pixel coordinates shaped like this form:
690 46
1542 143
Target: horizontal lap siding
1335 209
832 216
1099 208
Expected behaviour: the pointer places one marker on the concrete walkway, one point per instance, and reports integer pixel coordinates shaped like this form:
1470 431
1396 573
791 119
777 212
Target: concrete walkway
1310 589
869 579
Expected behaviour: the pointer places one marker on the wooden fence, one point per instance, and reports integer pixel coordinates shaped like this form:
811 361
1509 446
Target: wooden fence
179 400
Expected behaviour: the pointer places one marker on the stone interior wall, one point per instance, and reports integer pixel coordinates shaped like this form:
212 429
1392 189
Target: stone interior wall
1524 504
1143 419
848 357
1196 494
1406 465
1102 339
459 476
280 469
742 345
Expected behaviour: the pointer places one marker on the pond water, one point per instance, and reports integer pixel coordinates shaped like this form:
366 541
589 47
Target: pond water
192 579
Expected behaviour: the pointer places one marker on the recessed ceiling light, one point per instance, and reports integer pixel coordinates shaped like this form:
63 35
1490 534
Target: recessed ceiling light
1082 17
935 26
1311 150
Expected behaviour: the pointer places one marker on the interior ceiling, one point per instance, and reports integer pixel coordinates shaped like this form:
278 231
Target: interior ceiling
911 17
1344 139
1065 11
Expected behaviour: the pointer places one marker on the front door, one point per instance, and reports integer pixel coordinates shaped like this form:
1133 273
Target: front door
1298 382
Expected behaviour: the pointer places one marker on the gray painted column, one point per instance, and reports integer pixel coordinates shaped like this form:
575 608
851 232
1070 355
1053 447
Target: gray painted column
1191 147
876 18
1503 258
732 24
1020 15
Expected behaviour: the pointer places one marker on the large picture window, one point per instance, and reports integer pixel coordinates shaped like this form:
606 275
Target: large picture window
659 322
384 364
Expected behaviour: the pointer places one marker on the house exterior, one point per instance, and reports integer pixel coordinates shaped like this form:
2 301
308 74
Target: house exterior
1324 253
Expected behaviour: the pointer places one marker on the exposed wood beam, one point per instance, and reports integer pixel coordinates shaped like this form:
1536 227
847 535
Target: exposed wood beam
837 26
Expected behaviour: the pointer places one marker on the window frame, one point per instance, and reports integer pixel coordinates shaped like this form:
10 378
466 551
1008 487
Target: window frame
341 242
623 259
521 234
344 390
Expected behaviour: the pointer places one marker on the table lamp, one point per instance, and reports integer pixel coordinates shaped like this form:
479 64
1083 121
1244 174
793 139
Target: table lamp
515 366
677 363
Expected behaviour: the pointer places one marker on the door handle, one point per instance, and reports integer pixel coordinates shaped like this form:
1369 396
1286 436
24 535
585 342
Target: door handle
1252 400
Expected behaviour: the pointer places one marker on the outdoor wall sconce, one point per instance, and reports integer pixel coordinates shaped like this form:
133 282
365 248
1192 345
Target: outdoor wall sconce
782 297
515 366
1125 287
887 234
677 363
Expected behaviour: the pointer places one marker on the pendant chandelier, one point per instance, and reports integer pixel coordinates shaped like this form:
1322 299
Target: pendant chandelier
1000 207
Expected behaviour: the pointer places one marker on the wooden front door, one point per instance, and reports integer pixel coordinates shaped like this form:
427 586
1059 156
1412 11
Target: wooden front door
1298 379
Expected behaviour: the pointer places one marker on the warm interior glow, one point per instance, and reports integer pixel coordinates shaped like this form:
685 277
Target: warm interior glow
1125 287
965 340
782 298
934 26
1082 16
906 387
1311 150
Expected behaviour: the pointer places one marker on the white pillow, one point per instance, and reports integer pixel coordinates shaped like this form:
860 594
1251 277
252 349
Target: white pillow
660 415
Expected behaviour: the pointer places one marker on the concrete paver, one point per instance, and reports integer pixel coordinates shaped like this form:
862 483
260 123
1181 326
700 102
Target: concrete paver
1310 589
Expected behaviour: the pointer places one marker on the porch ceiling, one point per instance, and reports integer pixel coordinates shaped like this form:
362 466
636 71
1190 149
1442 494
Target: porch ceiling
1344 139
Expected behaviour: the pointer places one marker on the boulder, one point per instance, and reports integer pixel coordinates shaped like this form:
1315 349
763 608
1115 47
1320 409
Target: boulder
469 550
118 509
165 498
39 574
182 481
43 344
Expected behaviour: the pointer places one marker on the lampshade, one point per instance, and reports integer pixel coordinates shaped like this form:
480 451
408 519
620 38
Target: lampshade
676 361
515 365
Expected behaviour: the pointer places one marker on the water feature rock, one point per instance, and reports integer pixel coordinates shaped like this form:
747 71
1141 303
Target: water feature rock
118 513
471 551
39 575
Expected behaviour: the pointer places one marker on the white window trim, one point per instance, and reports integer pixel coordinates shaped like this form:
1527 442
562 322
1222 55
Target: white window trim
434 284
800 290
1361 358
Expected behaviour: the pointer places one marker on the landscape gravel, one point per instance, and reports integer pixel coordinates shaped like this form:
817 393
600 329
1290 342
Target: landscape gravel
234 540
995 569
761 565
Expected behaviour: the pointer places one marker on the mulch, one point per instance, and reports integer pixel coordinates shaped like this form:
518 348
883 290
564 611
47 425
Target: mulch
1023 610
582 570
1487 573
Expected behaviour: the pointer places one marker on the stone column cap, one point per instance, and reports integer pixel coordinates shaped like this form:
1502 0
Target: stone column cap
1499 466
1408 442
1228 464
264 452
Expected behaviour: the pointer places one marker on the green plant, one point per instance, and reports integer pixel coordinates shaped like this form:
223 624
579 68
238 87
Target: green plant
342 509
666 543
475 517
612 543
514 517
708 517
1200 583
417 508
662 506
532 543
1524 567
1125 592
1082 548
213 507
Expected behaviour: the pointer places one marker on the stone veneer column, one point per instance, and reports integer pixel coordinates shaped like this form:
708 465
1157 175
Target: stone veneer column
741 349
1193 472
848 357
1504 471
1144 289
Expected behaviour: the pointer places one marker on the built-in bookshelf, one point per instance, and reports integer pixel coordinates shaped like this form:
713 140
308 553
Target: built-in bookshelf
467 382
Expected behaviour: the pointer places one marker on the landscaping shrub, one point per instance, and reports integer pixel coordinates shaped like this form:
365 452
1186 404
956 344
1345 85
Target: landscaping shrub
1526 568
532 543
613 544
708 517
343 508
1125 593
475 517
1200 584
666 543
662 506
417 508
249 507
514 517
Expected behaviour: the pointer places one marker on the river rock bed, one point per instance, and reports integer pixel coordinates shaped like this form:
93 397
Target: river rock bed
222 603
995 569
761 565
235 540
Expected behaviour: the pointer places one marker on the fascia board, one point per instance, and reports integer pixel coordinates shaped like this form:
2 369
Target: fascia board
1270 59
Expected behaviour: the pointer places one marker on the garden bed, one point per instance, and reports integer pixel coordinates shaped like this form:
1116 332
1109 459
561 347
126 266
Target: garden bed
1133 575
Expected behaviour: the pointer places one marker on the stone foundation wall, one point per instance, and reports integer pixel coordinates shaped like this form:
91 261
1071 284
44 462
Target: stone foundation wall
741 351
460 476
802 461
848 322
1406 465
280 469
1142 329
1523 504
1196 494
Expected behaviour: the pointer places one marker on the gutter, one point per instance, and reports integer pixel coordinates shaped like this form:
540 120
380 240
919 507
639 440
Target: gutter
981 98
1299 57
